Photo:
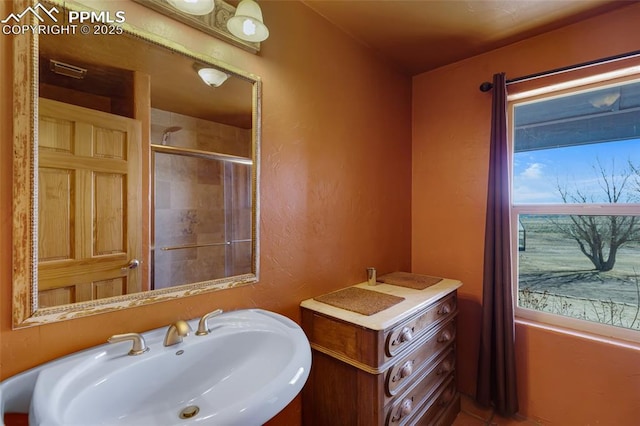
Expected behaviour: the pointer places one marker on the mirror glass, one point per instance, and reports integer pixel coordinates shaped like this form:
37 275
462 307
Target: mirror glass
145 175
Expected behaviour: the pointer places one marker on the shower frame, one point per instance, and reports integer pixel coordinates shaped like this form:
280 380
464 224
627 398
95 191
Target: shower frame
228 185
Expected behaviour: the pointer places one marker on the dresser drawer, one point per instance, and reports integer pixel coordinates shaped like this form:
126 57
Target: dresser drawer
434 349
431 413
402 335
424 393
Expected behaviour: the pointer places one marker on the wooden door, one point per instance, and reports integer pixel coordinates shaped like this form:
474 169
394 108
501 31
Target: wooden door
89 204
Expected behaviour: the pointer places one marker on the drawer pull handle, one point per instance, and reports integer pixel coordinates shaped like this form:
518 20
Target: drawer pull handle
444 337
403 372
444 368
406 335
446 397
444 310
404 410
406 370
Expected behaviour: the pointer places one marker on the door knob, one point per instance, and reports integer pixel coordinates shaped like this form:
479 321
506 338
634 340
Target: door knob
133 264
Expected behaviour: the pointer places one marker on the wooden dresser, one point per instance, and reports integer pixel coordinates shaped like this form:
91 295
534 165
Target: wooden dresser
395 367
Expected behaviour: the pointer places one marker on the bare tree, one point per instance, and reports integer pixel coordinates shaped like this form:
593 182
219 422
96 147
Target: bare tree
635 169
600 237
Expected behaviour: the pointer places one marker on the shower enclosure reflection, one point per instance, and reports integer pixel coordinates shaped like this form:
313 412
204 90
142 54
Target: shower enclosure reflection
202 201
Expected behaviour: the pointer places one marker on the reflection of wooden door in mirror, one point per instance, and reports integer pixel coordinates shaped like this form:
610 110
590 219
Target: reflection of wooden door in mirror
89 204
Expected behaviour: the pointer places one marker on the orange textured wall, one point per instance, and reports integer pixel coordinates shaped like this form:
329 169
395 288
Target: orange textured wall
564 380
335 181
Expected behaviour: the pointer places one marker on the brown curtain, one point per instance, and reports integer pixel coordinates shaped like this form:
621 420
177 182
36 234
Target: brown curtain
496 365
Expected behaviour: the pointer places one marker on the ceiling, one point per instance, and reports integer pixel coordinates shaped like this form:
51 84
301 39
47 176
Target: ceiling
420 35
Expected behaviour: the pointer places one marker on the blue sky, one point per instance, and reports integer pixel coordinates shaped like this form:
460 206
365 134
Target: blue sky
537 174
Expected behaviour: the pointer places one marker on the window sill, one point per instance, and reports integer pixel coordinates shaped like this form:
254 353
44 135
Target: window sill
615 341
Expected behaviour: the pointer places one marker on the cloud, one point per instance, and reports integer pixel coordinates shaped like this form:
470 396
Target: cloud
534 171
523 194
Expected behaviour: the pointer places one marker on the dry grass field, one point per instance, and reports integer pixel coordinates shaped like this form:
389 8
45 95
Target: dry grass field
554 276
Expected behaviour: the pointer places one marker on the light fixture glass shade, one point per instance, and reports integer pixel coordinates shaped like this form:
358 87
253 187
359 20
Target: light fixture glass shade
212 76
193 7
247 22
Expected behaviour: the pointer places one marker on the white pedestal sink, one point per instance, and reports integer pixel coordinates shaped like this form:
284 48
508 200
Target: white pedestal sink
246 370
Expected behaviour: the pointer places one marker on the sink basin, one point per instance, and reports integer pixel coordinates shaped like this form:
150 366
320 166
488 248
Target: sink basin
247 369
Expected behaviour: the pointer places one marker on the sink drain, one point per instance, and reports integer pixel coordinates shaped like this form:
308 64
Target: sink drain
189 412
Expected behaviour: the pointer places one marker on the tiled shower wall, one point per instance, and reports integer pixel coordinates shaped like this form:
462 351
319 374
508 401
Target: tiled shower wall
190 202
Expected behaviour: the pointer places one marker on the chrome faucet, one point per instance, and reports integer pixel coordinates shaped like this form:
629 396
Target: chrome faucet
139 345
176 332
203 329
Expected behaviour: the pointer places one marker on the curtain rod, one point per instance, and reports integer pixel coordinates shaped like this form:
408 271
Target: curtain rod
486 86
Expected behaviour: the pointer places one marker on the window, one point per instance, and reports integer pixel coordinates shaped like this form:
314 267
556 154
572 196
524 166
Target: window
576 207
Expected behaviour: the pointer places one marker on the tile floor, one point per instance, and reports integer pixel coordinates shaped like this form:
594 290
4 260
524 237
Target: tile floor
472 414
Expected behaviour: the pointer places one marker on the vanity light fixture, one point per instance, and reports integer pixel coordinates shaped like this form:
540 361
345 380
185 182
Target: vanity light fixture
193 7
211 76
247 23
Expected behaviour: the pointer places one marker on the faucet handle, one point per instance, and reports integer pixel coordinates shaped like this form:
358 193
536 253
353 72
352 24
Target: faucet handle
203 329
139 345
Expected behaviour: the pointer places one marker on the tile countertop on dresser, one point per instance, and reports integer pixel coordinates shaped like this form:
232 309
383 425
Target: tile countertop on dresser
414 300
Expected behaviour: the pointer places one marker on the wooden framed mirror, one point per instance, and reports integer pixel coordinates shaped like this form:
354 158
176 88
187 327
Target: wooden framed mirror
134 181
